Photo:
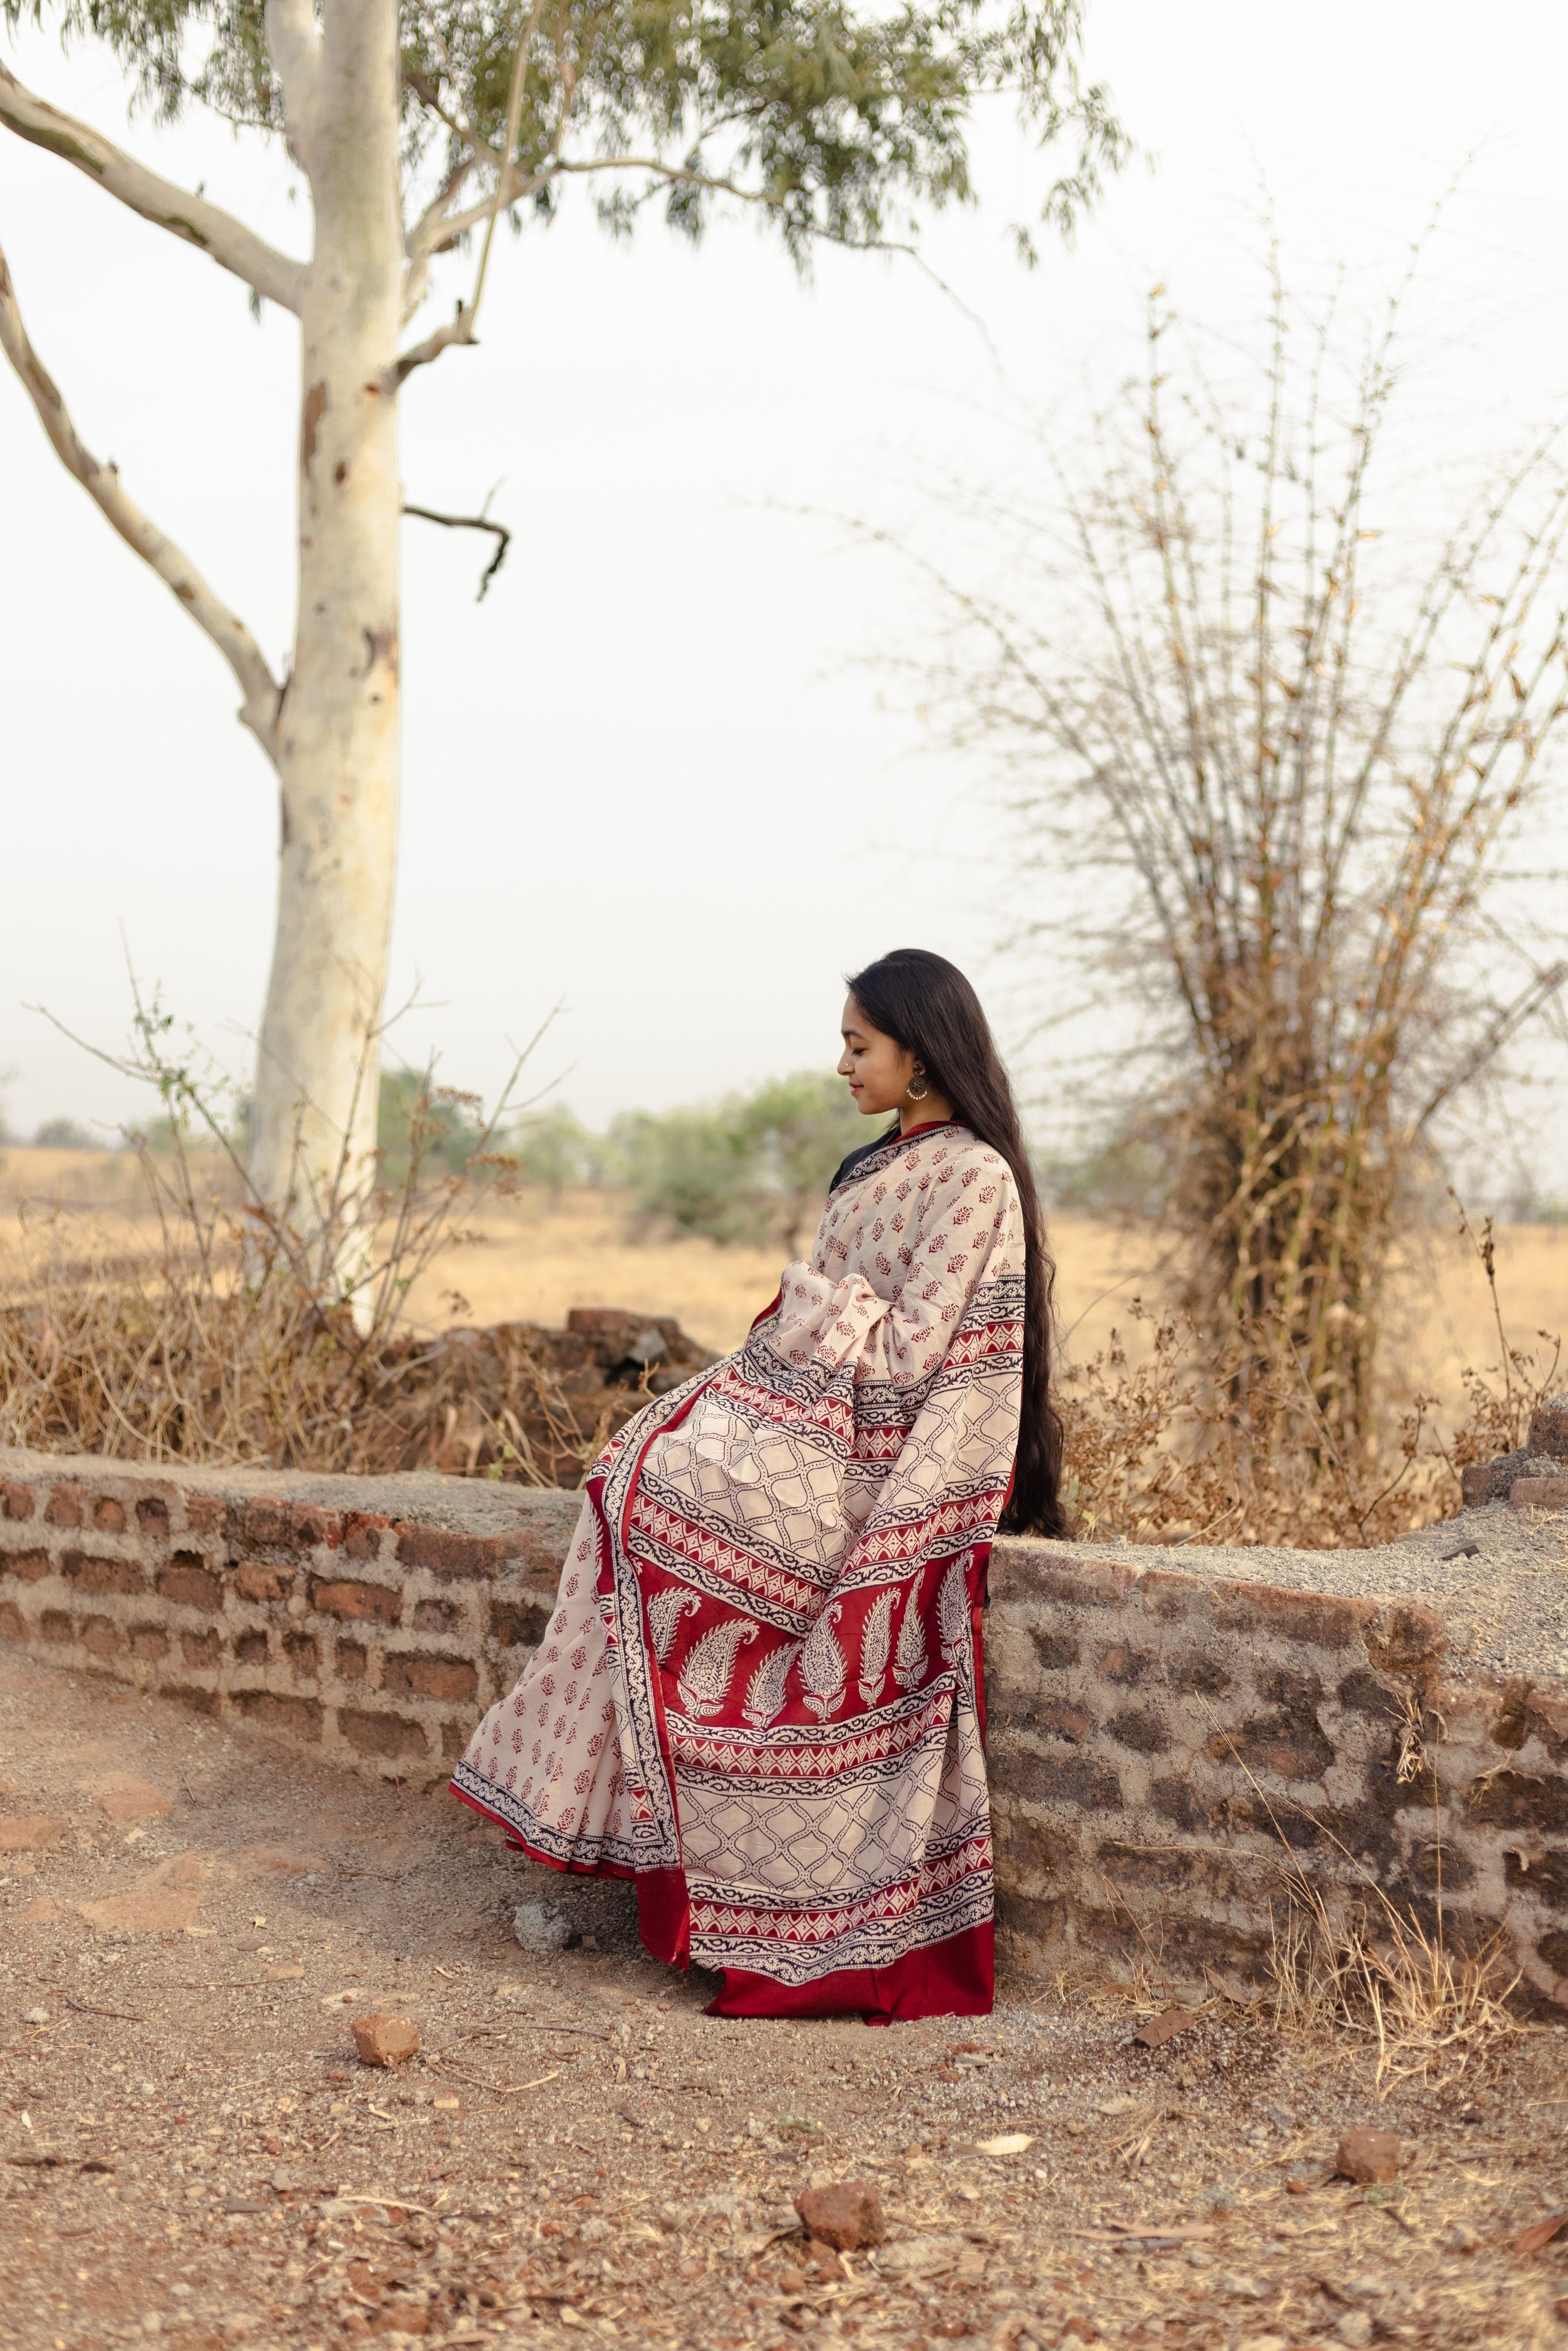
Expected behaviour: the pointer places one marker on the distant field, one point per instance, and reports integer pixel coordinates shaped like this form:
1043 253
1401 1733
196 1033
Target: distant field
532 1260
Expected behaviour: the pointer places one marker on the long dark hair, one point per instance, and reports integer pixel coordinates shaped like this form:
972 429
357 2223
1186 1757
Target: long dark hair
925 1004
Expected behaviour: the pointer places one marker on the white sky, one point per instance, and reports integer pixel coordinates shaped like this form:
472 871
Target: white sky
651 775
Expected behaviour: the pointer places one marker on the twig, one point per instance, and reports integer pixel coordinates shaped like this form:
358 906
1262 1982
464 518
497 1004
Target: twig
471 522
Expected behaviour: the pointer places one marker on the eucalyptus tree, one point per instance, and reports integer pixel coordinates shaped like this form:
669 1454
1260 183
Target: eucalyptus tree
416 128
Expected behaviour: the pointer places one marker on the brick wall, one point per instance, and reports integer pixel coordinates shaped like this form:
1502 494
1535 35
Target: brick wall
371 1620
1168 1749
1169 1736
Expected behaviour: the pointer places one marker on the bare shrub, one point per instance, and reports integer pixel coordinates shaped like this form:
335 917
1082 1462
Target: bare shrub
1283 717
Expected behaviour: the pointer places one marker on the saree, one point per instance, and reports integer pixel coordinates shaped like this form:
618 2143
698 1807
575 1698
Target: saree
760 1694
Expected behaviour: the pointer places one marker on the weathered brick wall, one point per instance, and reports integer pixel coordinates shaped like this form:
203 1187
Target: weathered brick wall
1168 1749
372 1620
1169 1735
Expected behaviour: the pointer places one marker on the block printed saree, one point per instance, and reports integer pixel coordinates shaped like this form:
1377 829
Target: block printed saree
760 1694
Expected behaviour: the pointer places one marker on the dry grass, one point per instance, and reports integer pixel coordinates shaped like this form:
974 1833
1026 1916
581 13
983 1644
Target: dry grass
1427 2011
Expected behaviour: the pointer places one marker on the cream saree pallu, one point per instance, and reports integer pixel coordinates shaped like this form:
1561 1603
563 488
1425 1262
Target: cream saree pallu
760 1694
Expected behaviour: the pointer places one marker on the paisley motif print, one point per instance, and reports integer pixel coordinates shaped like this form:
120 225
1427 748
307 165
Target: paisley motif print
875 1638
953 1610
705 1672
765 1691
665 1610
909 1658
824 1669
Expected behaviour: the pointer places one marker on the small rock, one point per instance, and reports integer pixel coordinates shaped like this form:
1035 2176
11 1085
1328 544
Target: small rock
35 2016
1461 2240
288 1971
125 1799
539 1930
27 1832
792 2280
1354 2328
1281 2118
384 2040
1241 2289
846 2216
1368 2157
1198 2260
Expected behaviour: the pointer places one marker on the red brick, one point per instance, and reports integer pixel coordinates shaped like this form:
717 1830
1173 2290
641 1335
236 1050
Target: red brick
152 1515
1539 1494
64 1506
311 1528
267 1520
446 1678
362 1532
12 1628
253 1580
436 1617
363 1603
350 1662
1322 1619
148 1641
250 1649
87 1573
300 1718
200 1648
303 1652
16 1501
382 1734
205 1514
28 1566
1089 1584
455 1737
451 1554
1168 1596
1406 1637
100 1636
185 1580
108 1515
56 1625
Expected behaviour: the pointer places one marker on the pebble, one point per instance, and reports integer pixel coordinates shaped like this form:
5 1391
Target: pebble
384 2040
846 2216
1241 2289
1368 2157
35 2016
1461 2240
1354 2328
539 1928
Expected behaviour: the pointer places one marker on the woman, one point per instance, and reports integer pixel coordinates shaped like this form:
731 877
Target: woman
760 1694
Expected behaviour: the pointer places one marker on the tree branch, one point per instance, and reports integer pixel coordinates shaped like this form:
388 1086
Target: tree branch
101 483
218 234
471 522
458 330
294 43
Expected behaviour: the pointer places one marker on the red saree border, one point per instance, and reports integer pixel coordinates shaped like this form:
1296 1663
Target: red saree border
956 1978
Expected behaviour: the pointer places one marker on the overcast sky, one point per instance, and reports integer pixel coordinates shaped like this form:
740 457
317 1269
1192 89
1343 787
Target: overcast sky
652 776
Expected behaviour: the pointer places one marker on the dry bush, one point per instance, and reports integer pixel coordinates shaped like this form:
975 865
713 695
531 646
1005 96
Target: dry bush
1423 2008
1175 1447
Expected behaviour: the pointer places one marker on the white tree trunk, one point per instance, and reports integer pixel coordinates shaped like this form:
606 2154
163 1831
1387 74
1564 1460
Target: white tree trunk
314 1129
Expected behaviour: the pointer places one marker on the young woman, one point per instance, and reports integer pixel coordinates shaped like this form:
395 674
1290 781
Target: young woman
760 1694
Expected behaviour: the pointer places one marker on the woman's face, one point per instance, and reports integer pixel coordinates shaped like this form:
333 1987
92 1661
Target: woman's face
878 1070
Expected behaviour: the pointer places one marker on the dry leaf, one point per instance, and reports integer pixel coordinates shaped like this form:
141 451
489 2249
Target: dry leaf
1164 2027
1541 2235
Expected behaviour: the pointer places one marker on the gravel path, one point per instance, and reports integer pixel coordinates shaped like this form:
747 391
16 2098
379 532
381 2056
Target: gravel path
192 2152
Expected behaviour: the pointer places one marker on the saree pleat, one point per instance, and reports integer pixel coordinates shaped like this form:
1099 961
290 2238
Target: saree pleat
760 1694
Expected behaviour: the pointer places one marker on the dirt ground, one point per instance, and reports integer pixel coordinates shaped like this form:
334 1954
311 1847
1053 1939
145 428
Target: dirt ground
194 2151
